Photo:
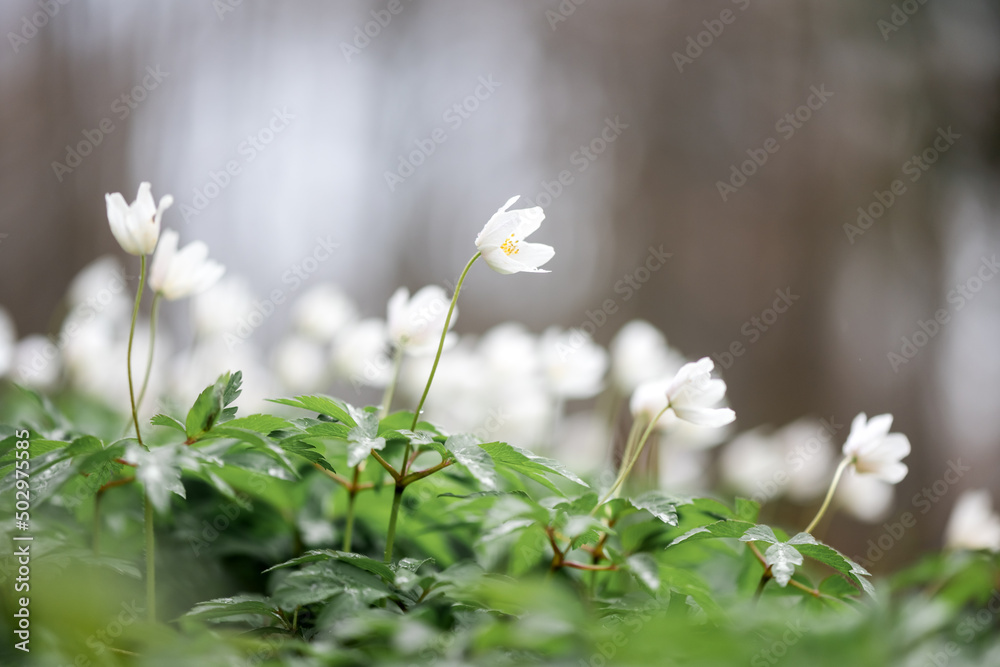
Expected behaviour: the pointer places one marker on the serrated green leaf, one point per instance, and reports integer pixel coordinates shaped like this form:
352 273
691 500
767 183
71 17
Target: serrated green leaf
206 409
839 562
782 558
530 465
646 571
759 533
357 560
233 609
660 505
363 438
260 423
169 422
324 405
468 453
726 528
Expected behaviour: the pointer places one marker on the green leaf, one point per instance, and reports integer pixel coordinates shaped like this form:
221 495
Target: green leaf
660 505
324 405
468 453
712 530
206 409
233 609
233 389
838 561
363 438
782 558
159 470
319 582
170 422
747 510
530 465
260 423
357 560
759 533
645 570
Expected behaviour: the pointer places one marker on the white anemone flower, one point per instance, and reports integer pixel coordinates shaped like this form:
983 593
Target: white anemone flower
136 226
639 353
322 311
415 324
973 524
501 241
359 354
873 450
221 309
574 365
179 273
691 395
865 497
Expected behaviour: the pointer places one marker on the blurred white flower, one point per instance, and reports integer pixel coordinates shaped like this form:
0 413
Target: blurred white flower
809 455
683 470
221 308
865 497
100 289
300 364
583 443
322 311
873 450
753 465
501 240
136 227
510 354
179 273
573 364
690 395
8 337
639 353
415 324
359 354
973 524
36 363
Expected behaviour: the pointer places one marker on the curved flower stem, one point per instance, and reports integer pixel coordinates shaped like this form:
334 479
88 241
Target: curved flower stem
397 499
397 362
627 465
155 309
444 334
829 494
131 335
150 562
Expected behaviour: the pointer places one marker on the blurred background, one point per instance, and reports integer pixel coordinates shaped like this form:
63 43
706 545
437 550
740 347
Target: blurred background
805 191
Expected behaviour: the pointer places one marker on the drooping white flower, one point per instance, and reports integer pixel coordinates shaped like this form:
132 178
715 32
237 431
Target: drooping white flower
639 353
573 364
502 245
865 497
415 324
873 450
691 395
136 226
973 524
322 311
8 337
179 273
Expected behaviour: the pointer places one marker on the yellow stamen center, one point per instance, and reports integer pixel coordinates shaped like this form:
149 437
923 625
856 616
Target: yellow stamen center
510 246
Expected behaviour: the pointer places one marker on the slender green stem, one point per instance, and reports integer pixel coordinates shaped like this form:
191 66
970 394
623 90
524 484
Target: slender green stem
150 563
131 335
155 309
627 465
352 497
444 334
397 363
397 499
829 494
